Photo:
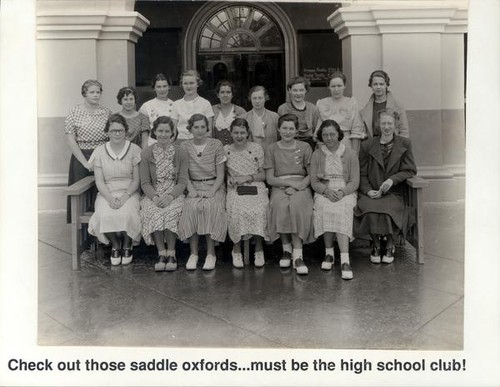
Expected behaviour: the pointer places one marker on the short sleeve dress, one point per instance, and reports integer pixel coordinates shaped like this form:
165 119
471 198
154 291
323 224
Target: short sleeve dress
331 216
204 216
346 113
222 124
118 172
247 214
88 129
290 214
183 110
155 218
136 127
155 108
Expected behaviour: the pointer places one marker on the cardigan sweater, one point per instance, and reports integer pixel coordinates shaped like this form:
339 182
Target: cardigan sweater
350 171
147 169
402 128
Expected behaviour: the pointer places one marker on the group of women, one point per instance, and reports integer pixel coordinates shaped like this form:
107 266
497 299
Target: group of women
207 170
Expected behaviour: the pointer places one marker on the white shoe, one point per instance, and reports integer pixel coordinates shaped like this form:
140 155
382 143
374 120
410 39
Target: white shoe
209 262
259 259
192 262
300 266
237 260
286 260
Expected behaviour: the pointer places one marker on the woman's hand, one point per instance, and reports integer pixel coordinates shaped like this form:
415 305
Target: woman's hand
230 182
290 190
334 195
386 186
240 180
208 194
122 199
296 185
88 166
114 203
374 194
192 193
165 200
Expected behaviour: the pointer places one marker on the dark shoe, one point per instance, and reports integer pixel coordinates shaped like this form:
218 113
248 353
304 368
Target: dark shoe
116 257
286 260
375 255
346 271
389 256
171 263
300 266
127 256
160 265
327 263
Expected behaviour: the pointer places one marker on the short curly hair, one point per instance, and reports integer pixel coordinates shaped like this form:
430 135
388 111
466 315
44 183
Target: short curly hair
297 81
123 92
258 88
88 83
380 74
327 124
192 73
197 117
163 120
116 118
289 117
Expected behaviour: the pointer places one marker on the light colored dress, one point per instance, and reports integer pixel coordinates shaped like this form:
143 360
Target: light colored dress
290 214
204 216
155 218
155 108
331 216
346 113
183 110
247 214
117 171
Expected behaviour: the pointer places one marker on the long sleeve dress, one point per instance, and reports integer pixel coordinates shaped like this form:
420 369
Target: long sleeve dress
163 171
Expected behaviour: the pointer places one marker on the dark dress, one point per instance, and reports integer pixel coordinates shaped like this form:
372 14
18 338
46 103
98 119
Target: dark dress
386 215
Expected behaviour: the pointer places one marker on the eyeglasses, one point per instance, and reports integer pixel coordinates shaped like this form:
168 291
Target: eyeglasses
117 131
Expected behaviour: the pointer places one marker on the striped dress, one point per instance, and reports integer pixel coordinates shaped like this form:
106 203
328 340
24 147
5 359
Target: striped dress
204 216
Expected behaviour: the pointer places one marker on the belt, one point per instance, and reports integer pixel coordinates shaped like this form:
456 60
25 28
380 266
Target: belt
203 180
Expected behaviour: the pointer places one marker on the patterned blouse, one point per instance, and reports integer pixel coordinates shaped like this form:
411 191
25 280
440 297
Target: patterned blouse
88 128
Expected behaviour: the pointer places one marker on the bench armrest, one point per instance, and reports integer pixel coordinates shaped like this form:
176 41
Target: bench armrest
80 186
417 182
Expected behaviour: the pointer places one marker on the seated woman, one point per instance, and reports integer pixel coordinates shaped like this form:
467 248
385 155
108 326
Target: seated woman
225 112
203 212
116 168
138 123
247 198
164 174
385 162
335 179
263 123
291 205
381 99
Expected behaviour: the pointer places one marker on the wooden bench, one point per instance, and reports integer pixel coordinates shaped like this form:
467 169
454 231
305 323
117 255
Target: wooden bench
81 202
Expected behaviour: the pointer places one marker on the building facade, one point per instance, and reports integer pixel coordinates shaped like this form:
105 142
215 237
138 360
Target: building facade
422 45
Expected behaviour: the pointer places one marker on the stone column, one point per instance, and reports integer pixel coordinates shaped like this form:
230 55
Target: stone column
78 40
422 49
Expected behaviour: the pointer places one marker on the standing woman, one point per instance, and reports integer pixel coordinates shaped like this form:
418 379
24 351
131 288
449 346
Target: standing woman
263 123
334 179
247 198
161 105
116 216
190 104
290 208
164 174
203 212
385 162
343 110
306 112
225 112
382 99
84 128
138 123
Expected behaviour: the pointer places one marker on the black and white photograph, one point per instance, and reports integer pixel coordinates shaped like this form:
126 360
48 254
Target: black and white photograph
249 193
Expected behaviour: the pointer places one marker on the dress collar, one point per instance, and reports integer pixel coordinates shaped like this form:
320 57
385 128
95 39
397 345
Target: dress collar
121 155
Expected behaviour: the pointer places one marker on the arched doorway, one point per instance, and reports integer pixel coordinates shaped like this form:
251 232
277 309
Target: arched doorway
245 43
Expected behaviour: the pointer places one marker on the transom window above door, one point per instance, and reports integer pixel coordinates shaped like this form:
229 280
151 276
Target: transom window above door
240 28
